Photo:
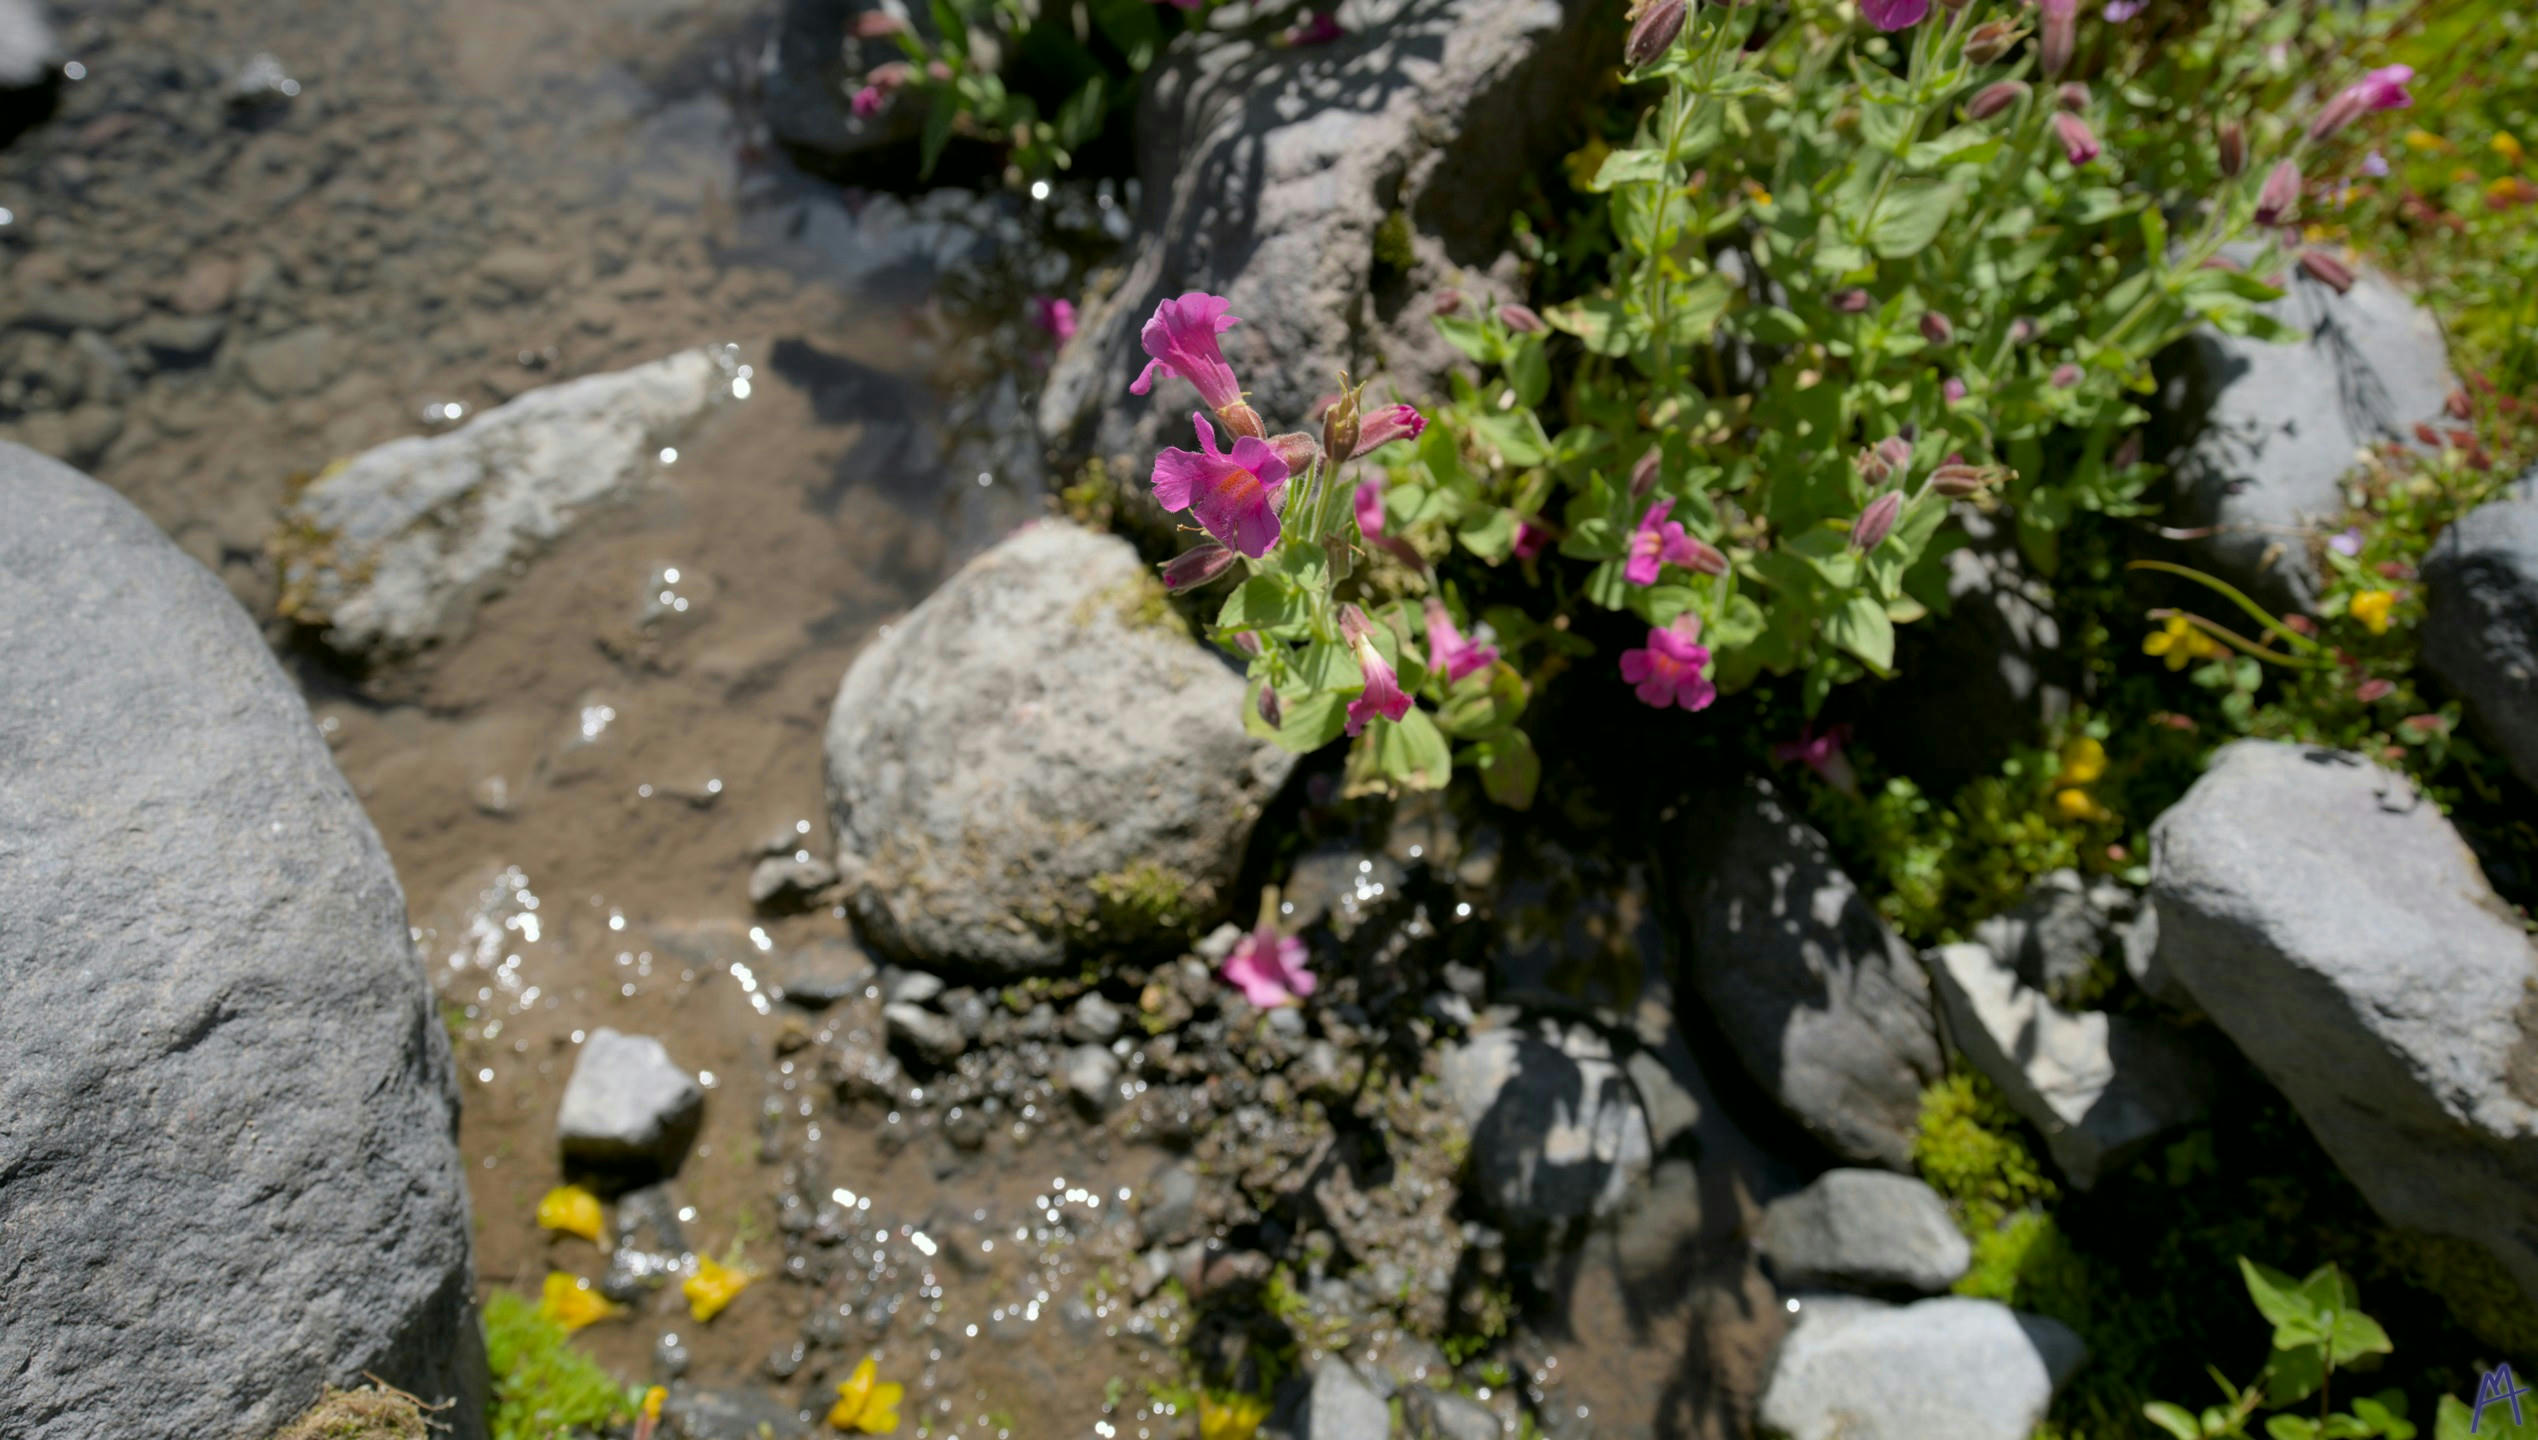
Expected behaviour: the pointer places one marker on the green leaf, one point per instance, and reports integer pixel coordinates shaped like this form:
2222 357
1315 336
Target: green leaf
1605 325
1309 721
1629 167
1964 145
2280 1299
1492 537
1411 751
1861 627
1515 434
2291 1427
1738 624
1529 371
2175 1419
1913 214
2295 1372
1695 311
1775 326
1510 771
939 115
1484 702
1080 118
1460 331
1264 602
1131 26
1607 586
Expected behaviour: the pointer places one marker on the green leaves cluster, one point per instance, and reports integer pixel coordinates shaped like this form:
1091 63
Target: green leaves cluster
2319 1328
1029 78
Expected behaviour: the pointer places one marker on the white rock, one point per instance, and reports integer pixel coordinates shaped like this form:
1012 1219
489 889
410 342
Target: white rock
1947 1369
628 1103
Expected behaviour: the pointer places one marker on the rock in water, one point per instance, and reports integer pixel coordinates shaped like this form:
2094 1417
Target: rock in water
226 1108
393 551
1557 1129
1332 192
2261 435
1039 760
2329 919
2099 1087
1950 1369
1864 1230
27 48
628 1105
1823 1004
1342 1406
2480 631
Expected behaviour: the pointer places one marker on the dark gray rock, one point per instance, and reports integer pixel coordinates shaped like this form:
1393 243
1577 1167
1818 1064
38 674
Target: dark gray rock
1557 1129
1168 1206
2056 938
2327 917
2098 1087
1989 673
824 972
786 883
1342 1406
1092 1076
628 1105
2480 632
998 805
737 1413
650 1248
1268 172
1094 1020
224 1089
934 1039
28 52
1948 1369
1864 1230
2261 435
1820 1001
1449 1415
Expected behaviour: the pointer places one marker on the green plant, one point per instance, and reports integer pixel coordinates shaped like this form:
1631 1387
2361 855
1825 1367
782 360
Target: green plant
2319 1328
543 1386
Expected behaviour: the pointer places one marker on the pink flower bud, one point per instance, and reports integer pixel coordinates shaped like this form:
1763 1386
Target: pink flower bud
2073 96
2327 270
1449 303
1243 420
1896 451
1876 522
1521 319
1297 449
938 71
1871 467
2060 31
2279 200
2079 142
1643 475
1270 709
1994 98
1653 33
1385 425
868 102
1990 40
1936 328
2127 452
2371 692
1192 568
1247 642
1953 389
2345 107
2021 330
2233 150
2065 375
1852 302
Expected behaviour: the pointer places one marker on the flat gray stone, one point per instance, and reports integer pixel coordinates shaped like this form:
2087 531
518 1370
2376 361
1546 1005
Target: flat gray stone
2332 923
628 1105
2480 632
2099 1087
1819 1000
225 1091
932 1038
1039 762
1557 1128
1094 1020
824 972
1092 1077
1947 1369
1342 1406
1867 1230
784 883
1451 1415
393 552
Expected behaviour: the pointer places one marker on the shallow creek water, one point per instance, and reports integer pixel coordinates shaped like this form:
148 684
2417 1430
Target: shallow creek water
210 295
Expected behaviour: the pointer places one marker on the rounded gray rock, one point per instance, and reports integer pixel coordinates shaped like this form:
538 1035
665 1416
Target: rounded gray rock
228 1171
1947 1369
1864 1230
1038 762
628 1105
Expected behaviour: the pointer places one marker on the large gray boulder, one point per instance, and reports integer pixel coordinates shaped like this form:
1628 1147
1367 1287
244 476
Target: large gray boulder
1269 172
2261 435
1039 761
2480 631
1558 1130
228 1174
1823 1004
2098 1087
1948 1369
2327 917
1866 1230
28 51
393 551
1991 674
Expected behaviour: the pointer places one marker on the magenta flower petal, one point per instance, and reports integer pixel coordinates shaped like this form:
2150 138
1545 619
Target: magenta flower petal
1182 339
1383 426
1895 14
1234 496
1450 652
1269 969
1649 542
1054 315
1531 539
1382 695
1370 509
2385 88
1670 671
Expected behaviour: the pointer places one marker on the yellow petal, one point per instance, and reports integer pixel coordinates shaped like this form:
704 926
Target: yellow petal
1235 1417
854 1393
2083 762
881 1413
571 1209
2507 145
569 1301
652 1399
713 1286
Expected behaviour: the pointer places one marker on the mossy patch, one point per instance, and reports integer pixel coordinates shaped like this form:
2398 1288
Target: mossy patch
542 1385
1393 249
1145 898
1140 604
2479 1292
369 1412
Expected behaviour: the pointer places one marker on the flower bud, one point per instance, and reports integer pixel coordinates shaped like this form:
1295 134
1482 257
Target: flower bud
1957 481
1852 302
2327 270
1697 555
2233 150
938 71
1994 98
2073 96
1521 319
2065 375
2061 29
2079 142
2127 452
1385 425
1953 388
1270 710
1449 303
1340 426
1247 642
878 24
2279 200
1990 40
1653 33
1876 522
1643 475
1936 328
1297 449
2346 107
2021 330
1872 467
1192 568
1243 421
1896 451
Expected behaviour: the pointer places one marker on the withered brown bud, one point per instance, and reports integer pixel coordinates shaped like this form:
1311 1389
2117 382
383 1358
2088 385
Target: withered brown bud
1270 709
1340 423
1876 522
1994 98
1243 420
1643 475
1990 40
1937 329
1853 302
2327 270
1653 33
2233 150
2073 96
1958 481
1521 319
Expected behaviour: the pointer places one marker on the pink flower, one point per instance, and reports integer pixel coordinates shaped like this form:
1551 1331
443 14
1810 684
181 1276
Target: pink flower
1895 14
1182 339
2385 88
1234 496
2079 142
1822 753
1320 28
2119 11
1370 509
1382 695
1449 651
2056 35
1382 427
1659 542
1055 316
1669 671
1269 969
1952 388
2375 165
868 102
1530 539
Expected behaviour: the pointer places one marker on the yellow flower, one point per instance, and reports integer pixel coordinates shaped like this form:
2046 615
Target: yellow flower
2371 608
1585 161
1236 1417
866 1402
2507 146
571 1209
2080 805
713 1286
570 1302
1760 195
2083 762
2426 141
2181 643
652 1399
